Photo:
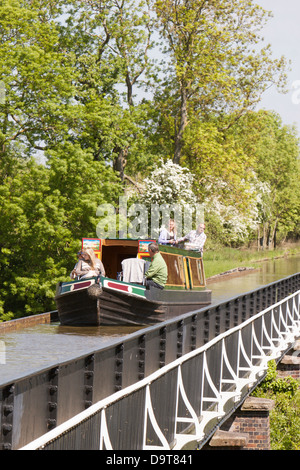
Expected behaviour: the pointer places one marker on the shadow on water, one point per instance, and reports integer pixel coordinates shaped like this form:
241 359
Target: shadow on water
44 345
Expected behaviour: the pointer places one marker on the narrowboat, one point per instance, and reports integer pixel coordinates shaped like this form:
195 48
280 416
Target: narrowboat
120 298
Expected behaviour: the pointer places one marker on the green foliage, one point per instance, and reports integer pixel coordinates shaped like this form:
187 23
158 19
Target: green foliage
37 77
285 418
219 259
285 423
44 214
273 384
218 68
275 151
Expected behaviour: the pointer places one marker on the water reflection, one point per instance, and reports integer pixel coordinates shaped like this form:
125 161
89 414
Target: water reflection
110 331
42 346
270 271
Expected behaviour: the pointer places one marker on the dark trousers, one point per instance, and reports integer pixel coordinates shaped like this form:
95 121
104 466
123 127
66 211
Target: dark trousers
151 283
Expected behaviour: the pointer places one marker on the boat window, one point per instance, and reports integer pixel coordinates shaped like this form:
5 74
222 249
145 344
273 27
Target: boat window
176 275
196 272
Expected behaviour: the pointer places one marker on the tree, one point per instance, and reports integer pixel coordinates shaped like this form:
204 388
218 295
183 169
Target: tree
222 168
32 236
216 67
169 184
45 211
83 185
275 151
168 193
112 60
37 76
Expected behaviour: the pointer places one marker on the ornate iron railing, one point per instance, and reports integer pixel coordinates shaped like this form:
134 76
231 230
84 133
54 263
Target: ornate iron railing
184 401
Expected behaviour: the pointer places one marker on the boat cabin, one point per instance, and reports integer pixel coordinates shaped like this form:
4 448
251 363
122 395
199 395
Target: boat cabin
185 268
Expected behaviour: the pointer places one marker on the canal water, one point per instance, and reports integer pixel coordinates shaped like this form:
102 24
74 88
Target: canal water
269 271
25 351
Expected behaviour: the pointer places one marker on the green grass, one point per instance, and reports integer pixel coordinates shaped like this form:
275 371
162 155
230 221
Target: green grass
221 260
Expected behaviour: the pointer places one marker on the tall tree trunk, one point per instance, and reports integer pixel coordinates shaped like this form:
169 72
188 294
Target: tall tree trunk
273 237
120 161
129 89
265 235
182 125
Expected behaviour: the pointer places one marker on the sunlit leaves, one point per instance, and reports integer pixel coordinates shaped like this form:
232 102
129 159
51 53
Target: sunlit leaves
216 64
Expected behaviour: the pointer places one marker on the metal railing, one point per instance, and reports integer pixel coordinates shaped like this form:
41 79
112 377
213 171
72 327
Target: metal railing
31 405
185 400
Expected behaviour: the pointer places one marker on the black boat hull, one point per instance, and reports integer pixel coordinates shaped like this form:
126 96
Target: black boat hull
96 306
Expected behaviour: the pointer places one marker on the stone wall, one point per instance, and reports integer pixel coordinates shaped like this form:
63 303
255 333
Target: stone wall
289 365
247 429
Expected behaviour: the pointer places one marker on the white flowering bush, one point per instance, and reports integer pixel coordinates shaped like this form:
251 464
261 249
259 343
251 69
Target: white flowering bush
169 184
237 224
168 193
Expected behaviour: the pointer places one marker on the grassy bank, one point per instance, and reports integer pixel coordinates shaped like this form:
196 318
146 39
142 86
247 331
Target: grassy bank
225 259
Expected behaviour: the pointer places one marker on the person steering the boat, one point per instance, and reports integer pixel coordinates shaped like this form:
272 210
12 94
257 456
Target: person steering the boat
157 273
194 240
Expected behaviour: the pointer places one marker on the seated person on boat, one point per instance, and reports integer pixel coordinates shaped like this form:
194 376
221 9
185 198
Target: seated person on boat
157 273
79 256
194 240
88 265
168 237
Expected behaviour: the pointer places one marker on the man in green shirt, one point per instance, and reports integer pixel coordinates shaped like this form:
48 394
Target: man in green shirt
157 274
